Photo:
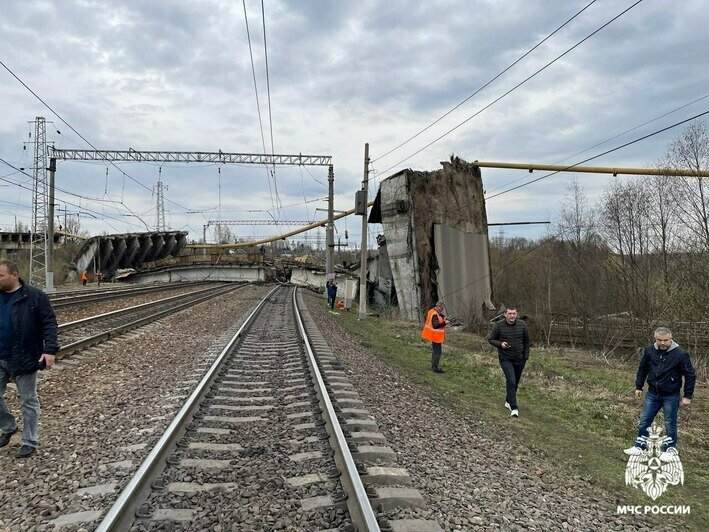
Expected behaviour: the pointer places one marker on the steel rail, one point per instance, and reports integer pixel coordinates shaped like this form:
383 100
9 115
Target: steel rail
105 335
85 321
81 299
122 514
108 286
360 508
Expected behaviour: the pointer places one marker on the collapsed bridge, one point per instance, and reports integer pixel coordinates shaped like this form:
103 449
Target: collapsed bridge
109 253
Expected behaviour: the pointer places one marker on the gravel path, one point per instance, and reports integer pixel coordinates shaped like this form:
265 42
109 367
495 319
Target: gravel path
471 476
103 411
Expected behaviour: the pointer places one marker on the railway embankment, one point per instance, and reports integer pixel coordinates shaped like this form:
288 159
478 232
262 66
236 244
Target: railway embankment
559 466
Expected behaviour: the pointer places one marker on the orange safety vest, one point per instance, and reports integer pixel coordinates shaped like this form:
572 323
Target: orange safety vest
429 333
84 277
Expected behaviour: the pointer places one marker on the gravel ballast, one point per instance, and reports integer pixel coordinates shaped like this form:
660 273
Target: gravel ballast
103 410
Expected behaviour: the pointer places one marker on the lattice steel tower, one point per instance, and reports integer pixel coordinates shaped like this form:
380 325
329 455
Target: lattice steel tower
40 207
159 189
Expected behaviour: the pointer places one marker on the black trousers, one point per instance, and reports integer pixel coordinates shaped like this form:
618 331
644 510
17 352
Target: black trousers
513 374
436 350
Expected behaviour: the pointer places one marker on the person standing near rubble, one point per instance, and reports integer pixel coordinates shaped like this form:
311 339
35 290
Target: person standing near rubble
331 293
511 338
434 331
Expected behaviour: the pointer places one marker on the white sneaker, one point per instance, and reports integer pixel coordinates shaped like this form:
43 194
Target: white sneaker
508 407
633 451
514 413
669 455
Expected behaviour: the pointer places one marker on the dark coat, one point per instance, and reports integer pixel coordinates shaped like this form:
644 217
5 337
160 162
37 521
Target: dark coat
664 371
516 335
34 331
332 290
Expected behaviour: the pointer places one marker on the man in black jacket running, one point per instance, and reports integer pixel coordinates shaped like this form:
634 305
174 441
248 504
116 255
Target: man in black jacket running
511 338
28 342
663 364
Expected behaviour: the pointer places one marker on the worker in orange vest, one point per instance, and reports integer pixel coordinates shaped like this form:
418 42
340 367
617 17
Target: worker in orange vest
84 278
434 331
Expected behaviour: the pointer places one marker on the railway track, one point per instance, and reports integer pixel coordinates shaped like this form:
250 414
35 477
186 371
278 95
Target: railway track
73 299
84 333
273 437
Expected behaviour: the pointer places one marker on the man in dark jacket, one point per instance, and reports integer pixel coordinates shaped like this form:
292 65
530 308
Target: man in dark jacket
28 342
331 293
663 364
511 338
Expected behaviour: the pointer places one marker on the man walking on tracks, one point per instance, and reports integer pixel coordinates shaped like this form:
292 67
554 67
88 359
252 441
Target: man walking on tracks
663 364
511 338
28 342
434 331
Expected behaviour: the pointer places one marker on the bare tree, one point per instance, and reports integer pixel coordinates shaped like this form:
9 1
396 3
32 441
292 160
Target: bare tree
580 252
663 218
624 211
223 234
690 150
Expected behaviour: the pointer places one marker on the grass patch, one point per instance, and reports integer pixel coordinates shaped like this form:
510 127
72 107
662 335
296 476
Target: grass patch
577 411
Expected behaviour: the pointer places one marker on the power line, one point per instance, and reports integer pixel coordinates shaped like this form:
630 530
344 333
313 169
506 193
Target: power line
517 86
79 196
314 178
614 137
258 103
488 83
103 215
268 91
286 206
77 133
599 155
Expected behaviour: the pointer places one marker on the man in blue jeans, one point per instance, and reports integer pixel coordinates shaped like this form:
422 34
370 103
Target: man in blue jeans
28 342
511 338
663 365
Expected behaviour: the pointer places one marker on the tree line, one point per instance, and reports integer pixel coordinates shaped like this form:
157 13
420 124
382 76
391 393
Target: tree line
613 269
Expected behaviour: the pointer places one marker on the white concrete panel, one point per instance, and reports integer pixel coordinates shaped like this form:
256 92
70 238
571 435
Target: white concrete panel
202 273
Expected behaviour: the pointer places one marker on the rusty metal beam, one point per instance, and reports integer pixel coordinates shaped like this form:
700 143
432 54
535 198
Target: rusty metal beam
594 169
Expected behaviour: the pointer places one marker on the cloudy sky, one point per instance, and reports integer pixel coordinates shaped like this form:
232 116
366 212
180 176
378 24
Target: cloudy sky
176 75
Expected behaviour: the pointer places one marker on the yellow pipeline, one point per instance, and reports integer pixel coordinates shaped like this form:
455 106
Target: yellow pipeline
313 225
595 169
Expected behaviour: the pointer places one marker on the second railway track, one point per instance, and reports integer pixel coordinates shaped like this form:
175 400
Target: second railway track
263 443
80 334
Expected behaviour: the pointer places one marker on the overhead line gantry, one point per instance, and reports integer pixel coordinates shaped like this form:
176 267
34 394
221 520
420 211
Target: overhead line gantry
218 157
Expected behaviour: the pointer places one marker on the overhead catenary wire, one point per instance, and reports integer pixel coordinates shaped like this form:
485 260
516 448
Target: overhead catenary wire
684 106
487 84
77 133
68 192
258 102
270 113
518 85
20 185
571 166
